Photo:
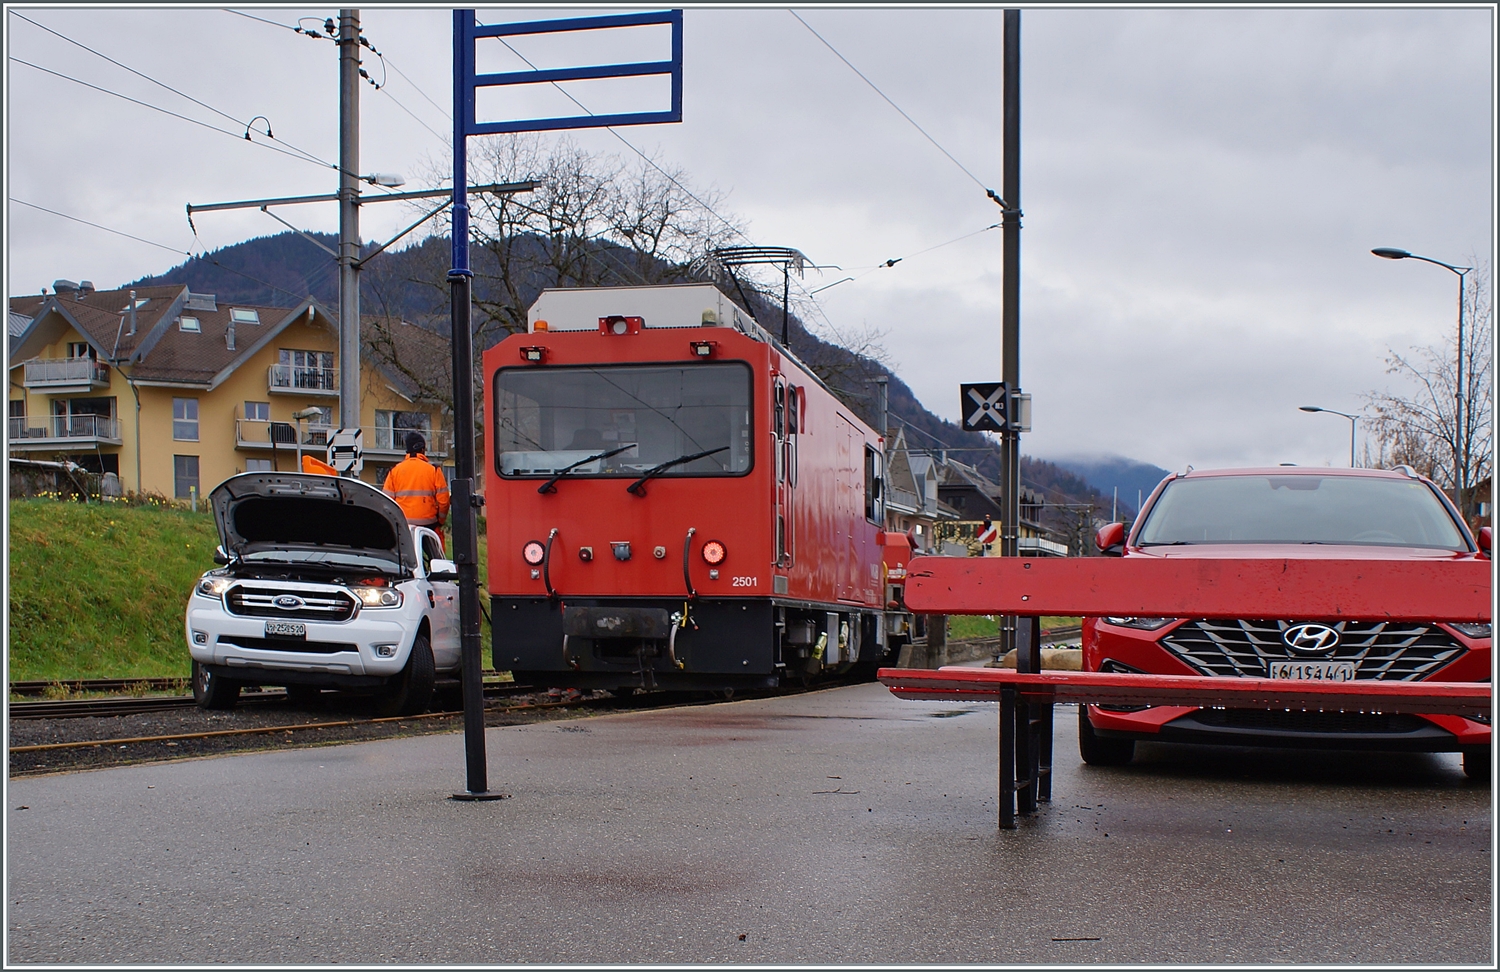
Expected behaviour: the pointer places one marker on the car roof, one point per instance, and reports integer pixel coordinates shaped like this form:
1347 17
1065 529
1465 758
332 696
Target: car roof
1301 471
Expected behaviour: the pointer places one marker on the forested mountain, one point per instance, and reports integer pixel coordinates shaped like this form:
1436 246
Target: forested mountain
412 283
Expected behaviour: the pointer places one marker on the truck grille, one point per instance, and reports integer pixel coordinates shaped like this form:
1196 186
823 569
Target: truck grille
260 602
1394 651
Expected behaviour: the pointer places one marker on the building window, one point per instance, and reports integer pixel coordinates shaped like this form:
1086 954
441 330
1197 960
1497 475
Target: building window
81 349
391 428
306 369
240 315
188 324
16 408
185 476
257 411
185 421
257 465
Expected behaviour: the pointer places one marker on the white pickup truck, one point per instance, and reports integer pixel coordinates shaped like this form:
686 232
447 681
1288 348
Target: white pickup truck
322 584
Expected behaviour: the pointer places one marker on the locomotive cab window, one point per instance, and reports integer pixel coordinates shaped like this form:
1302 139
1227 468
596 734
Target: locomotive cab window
623 420
874 500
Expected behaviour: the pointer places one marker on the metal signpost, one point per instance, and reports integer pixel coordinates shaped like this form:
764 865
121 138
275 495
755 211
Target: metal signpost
466 31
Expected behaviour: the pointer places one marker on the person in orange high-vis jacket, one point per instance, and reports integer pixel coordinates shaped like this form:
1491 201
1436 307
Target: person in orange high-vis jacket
418 487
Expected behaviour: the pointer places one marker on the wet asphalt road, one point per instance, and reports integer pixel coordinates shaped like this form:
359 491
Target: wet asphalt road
842 826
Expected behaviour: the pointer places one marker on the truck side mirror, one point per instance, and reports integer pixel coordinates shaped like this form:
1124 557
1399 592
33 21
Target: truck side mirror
442 570
1111 539
1484 540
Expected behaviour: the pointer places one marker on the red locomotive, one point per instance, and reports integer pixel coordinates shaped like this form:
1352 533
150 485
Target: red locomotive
675 501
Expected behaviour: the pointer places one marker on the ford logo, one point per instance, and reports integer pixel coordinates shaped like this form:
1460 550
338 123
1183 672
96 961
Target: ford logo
289 602
1310 639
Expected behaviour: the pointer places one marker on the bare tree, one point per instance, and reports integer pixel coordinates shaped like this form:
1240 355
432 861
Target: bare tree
1441 428
592 221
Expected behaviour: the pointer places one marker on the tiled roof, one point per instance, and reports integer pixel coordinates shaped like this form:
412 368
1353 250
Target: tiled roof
417 361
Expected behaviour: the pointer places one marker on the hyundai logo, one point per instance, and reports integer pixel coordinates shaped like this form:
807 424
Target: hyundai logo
289 602
1310 639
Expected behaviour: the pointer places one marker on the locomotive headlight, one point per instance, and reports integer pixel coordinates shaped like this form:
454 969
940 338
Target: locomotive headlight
214 586
378 597
713 552
534 552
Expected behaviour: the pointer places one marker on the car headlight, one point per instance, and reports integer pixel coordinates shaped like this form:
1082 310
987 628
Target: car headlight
1471 629
378 597
1144 624
214 587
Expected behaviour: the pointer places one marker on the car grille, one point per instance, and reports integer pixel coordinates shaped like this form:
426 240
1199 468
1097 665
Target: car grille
1279 720
260 602
1393 651
288 644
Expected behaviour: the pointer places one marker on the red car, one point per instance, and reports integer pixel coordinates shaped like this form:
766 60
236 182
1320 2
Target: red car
1302 513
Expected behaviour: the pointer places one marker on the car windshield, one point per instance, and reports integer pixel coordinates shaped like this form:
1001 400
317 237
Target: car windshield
1366 511
622 420
347 559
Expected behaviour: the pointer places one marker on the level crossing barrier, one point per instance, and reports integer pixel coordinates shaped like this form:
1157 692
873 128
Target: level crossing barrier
1328 589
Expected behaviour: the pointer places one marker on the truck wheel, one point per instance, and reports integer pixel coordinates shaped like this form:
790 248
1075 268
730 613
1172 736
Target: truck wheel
1099 751
411 692
212 691
1477 763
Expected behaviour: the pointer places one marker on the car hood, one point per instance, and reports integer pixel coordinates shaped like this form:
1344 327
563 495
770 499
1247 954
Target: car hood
1296 551
311 519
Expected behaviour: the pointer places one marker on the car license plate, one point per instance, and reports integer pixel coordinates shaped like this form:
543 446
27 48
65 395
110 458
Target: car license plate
286 629
1316 671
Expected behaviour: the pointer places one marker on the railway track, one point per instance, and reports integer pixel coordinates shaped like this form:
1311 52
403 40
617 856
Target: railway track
78 708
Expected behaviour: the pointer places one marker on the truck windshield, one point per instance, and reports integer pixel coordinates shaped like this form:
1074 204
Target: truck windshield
548 419
1362 511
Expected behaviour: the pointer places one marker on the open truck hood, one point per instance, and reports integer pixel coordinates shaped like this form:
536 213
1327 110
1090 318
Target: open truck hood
310 519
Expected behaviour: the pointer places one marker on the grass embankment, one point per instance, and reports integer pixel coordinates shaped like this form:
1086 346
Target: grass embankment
988 626
99 590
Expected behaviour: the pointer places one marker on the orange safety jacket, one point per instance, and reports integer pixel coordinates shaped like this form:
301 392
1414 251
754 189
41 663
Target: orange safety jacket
418 487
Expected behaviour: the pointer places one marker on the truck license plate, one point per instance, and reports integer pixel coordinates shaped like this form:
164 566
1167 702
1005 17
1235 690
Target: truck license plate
1316 671
286 629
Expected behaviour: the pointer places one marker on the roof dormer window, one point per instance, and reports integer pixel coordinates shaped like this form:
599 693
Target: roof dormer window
241 315
189 324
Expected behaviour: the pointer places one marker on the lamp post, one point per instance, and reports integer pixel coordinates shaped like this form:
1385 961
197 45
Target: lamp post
1353 421
312 411
1460 437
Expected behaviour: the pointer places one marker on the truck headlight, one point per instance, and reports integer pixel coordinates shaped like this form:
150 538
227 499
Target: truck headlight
378 597
214 587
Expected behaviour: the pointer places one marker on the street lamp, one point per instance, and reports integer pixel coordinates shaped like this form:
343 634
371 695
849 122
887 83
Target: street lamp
311 412
1460 439
1353 421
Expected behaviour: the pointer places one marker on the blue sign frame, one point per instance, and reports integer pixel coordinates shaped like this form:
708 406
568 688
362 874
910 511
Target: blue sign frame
467 31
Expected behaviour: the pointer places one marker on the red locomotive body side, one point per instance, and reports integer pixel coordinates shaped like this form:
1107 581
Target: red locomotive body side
758 561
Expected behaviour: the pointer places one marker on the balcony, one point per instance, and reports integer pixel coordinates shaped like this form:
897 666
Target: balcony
66 375
56 432
391 443
293 380
253 434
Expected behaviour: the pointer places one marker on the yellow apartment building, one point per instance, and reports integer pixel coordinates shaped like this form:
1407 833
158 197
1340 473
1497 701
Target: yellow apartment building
180 391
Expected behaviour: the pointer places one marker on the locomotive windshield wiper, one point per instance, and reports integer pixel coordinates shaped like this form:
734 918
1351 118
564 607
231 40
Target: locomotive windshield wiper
638 487
550 486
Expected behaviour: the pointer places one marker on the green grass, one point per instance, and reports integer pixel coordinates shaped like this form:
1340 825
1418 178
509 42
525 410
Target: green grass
99 591
987 626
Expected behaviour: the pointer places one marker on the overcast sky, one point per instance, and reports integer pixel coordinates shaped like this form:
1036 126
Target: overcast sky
1201 187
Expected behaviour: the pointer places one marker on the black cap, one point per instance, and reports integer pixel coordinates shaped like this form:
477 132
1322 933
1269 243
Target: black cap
415 444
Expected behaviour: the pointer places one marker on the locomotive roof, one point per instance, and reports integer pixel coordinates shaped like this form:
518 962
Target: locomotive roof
685 305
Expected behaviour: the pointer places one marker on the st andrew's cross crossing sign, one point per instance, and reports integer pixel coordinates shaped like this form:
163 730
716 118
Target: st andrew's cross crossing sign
984 406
